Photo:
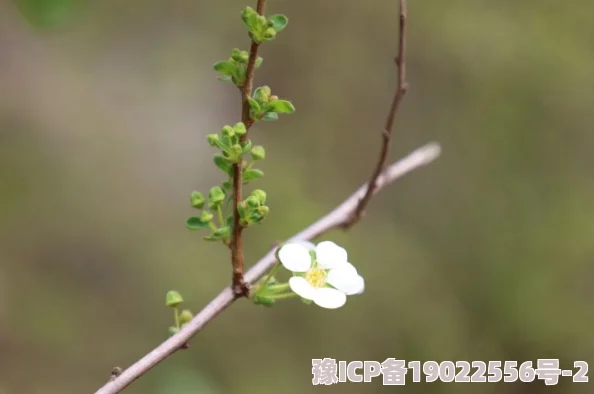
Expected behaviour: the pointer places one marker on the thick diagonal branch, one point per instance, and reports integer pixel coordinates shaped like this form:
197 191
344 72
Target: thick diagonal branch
335 219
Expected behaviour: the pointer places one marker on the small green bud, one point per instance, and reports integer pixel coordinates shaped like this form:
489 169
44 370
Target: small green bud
258 152
244 56
262 94
262 20
227 131
258 61
263 300
235 153
269 33
216 195
260 195
212 139
206 217
173 299
197 200
253 201
236 55
239 128
185 316
247 12
173 330
263 211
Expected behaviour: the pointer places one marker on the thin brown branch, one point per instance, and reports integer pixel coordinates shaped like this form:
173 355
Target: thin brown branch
401 89
240 287
335 219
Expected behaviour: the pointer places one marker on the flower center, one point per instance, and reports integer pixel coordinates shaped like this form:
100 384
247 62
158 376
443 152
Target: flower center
316 277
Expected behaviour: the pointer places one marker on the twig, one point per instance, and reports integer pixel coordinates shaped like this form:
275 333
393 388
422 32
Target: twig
240 288
343 216
401 89
335 219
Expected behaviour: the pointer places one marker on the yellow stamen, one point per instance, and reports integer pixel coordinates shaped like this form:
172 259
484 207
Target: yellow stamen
316 277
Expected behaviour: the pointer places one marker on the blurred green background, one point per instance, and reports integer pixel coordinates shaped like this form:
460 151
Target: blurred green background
487 254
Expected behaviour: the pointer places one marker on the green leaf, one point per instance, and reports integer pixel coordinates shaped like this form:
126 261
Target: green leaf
195 223
223 232
280 106
226 68
258 62
47 13
249 16
252 174
173 298
222 163
241 210
247 147
240 74
270 116
254 106
221 145
227 185
229 221
278 22
225 78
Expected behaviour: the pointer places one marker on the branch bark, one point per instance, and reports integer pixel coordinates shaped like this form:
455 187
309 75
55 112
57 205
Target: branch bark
401 90
335 219
240 287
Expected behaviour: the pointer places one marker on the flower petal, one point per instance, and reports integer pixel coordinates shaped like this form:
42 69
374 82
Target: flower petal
302 287
308 245
295 257
346 280
330 255
329 298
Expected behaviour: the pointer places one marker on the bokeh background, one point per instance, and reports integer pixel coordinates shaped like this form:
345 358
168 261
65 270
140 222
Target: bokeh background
487 254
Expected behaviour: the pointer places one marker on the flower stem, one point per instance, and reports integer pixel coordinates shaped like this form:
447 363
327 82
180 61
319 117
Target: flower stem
176 317
275 288
220 214
284 295
265 281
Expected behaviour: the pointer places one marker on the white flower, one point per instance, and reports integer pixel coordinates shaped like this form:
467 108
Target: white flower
327 278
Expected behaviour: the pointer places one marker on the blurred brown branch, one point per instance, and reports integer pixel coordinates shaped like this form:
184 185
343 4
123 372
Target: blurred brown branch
335 219
401 90
240 288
